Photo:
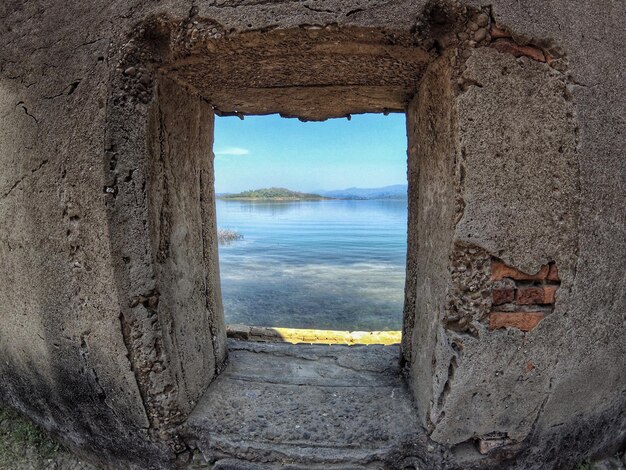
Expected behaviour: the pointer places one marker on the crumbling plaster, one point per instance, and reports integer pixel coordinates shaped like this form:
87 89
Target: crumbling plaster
519 187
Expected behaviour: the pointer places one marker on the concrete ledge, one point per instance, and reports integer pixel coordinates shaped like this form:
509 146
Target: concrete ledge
296 335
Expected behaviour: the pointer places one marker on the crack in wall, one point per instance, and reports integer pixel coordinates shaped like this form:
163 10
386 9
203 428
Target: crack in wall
19 182
250 3
163 251
98 388
317 10
142 332
125 329
25 109
67 91
205 236
441 401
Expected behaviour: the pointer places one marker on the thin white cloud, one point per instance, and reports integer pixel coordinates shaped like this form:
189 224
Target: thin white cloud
233 151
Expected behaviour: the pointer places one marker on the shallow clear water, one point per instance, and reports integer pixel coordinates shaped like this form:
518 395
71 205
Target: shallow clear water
336 264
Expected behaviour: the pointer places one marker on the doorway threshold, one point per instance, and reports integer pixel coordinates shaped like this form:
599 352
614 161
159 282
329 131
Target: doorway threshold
309 406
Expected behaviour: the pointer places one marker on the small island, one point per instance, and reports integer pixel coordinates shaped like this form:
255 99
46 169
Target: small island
272 194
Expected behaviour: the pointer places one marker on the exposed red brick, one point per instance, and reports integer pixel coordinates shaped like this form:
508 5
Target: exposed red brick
550 294
529 367
502 296
497 33
553 274
530 295
535 295
510 47
525 321
499 270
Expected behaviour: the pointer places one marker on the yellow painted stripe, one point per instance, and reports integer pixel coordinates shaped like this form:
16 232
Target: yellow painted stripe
297 335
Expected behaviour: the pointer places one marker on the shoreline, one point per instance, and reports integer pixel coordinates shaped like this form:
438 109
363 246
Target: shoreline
277 199
305 199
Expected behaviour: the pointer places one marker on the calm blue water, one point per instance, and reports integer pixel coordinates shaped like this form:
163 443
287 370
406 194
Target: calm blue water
314 264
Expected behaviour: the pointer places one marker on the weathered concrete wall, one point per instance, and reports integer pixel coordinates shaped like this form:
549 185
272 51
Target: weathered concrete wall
432 152
163 233
588 390
75 174
64 360
75 254
497 364
182 209
516 181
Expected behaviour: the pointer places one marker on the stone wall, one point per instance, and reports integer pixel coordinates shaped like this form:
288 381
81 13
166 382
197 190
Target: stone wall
164 237
110 321
64 361
510 162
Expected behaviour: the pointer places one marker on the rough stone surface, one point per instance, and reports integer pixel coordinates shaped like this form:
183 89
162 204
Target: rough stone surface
311 405
516 143
518 186
160 197
433 207
531 172
311 73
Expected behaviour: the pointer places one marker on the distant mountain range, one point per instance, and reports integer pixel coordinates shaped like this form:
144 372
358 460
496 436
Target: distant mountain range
396 191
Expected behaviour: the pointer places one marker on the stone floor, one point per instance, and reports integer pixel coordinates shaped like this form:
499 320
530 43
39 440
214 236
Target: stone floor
286 406
310 406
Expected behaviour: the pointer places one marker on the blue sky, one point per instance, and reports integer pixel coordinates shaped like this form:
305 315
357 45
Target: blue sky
262 151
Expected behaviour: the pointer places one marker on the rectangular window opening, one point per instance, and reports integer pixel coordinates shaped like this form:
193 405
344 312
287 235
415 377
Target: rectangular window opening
312 227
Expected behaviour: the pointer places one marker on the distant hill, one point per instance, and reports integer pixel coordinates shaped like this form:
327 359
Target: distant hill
273 194
396 191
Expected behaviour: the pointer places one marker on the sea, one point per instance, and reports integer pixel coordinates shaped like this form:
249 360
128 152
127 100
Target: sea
322 264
